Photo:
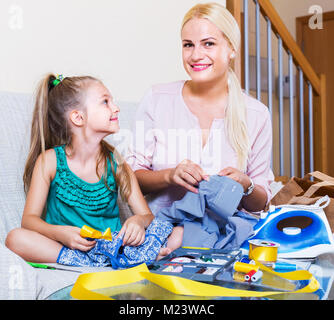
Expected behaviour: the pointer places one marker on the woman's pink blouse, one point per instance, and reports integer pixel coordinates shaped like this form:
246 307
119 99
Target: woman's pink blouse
165 132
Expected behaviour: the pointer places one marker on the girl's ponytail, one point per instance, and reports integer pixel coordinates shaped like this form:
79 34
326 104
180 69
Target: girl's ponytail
40 137
50 128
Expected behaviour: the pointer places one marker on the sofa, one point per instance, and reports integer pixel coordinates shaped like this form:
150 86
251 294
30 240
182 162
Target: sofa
18 280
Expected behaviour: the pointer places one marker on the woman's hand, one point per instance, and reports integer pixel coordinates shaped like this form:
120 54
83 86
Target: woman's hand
70 237
254 203
187 174
133 231
237 176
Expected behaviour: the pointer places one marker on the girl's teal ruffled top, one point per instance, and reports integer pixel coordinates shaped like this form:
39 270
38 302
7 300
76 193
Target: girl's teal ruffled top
75 202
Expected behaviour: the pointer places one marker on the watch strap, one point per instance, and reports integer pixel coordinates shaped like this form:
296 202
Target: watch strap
250 188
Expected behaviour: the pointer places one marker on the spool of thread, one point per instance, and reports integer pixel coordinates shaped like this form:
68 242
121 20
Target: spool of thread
244 267
256 276
283 267
238 276
246 260
249 275
263 251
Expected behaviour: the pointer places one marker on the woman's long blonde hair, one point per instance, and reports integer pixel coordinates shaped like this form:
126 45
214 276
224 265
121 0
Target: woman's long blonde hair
235 113
50 128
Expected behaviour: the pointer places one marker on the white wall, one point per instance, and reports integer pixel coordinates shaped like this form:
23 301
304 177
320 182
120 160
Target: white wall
129 44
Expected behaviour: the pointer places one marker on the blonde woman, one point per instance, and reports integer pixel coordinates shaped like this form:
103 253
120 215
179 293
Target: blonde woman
189 130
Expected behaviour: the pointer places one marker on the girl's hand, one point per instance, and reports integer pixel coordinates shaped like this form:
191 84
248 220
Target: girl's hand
187 174
237 176
133 231
71 238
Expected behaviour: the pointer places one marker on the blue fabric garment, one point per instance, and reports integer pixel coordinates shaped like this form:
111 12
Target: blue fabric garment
206 222
111 253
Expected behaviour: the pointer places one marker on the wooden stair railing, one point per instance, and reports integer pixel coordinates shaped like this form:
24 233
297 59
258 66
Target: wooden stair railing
316 85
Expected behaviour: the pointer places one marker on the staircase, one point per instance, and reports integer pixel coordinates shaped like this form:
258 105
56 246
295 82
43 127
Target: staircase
293 99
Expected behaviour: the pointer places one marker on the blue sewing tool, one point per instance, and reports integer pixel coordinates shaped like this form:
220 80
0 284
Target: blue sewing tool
301 231
283 267
246 260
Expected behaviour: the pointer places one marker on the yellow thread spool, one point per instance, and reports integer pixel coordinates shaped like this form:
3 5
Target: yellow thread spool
263 251
238 276
244 267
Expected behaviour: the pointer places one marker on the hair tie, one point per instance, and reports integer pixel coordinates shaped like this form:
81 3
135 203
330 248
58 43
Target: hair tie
59 78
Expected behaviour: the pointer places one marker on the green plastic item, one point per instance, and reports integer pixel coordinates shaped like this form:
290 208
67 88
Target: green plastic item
39 265
44 266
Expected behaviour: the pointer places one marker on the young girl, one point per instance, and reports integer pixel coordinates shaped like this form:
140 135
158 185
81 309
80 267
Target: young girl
74 174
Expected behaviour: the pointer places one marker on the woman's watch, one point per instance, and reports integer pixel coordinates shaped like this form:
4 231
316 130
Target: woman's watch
250 188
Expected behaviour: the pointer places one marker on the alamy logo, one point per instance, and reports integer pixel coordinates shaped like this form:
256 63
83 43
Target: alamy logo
15 281
15 21
315 21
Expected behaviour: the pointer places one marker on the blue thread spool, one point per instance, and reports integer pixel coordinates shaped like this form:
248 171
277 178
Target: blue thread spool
284 267
246 260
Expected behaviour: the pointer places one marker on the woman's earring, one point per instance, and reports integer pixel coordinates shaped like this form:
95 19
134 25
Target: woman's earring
232 56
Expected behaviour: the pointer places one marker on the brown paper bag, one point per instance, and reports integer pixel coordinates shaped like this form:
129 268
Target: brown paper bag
305 191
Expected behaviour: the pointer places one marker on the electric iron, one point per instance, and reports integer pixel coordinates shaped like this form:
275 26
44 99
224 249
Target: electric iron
302 231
